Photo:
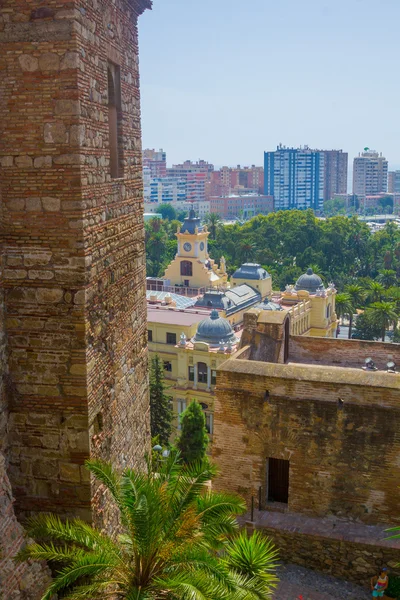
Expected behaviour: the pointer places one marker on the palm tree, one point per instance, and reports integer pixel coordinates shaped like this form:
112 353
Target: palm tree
247 250
357 298
214 223
179 540
393 295
375 291
387 277
383 314
343 306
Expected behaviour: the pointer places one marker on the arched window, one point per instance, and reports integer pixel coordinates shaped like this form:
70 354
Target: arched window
186 268
202 372
114 120
328 311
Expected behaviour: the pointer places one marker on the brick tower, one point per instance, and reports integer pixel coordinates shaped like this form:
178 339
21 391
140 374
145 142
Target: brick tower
73 247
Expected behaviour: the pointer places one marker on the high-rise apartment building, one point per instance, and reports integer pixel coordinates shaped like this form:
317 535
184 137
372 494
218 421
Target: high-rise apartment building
228 181
370 173
167 189
196 176
294 177
394 182
335 172
156 161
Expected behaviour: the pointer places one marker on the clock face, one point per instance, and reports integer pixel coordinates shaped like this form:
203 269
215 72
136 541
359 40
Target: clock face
187 247
201 246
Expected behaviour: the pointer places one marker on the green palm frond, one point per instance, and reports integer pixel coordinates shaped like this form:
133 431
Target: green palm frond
254 555
178 540
76 531
49 552
88 566
106 474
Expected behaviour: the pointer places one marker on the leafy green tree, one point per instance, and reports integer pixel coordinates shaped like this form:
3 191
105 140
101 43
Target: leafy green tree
167 211
383 314
387 277
214 223
193 440
365 328
357 298
161 413
179 540
247 251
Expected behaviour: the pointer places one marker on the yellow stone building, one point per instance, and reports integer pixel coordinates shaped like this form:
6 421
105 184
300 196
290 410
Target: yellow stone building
192 344
192 266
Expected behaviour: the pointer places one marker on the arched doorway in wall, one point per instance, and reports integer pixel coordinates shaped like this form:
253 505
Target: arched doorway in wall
287 337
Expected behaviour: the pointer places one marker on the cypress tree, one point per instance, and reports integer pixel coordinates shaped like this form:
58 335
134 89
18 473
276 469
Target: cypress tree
193 440
161 413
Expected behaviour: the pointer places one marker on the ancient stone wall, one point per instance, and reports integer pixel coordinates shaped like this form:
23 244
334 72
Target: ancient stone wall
338 428
339 352
355 561
74 275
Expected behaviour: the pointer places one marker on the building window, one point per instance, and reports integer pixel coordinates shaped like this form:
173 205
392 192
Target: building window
209 423
213 377
191 373
167 366
186 268
150 335
115 120
171 338
181 406
202 372
186 282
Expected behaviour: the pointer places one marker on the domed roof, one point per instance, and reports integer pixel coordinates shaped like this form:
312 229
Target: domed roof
250 271
214 330
269 306
310 282
190 223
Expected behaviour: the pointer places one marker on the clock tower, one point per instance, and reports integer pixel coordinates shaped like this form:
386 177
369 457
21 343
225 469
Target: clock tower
192 266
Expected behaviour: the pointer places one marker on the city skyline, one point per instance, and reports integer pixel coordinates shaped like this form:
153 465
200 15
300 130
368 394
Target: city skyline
209 96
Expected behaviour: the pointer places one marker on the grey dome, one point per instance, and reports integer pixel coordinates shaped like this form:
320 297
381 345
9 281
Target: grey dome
214 330
190 223
309 282
269 306
250 271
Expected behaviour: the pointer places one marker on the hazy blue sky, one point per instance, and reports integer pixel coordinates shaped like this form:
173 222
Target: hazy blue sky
225 80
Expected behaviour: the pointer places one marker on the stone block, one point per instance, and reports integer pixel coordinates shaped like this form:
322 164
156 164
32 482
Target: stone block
7 161
33 204
51 204
70 472
55 133
35 274
23 161
67 107
41 162
49 62
70 60
28 63
49 295
47 469
15 274
16 204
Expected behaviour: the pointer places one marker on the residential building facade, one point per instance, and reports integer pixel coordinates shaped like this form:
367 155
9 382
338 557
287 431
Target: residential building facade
243 206
335 172
295 178
370 174
394 182
156 161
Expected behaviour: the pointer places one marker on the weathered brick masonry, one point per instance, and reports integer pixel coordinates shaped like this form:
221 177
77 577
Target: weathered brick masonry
337 426
73 247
